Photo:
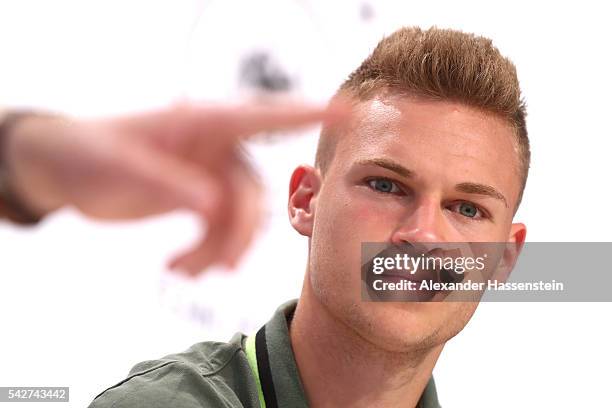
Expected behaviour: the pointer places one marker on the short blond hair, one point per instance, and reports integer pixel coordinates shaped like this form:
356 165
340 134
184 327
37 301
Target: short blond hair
440 64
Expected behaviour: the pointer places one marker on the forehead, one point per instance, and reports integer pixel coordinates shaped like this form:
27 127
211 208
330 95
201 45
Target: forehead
438 140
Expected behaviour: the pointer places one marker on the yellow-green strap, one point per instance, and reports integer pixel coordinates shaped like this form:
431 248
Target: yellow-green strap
252 359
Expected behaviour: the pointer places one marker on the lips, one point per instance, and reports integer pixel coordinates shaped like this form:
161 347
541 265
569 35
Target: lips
406 275
406 272
398 272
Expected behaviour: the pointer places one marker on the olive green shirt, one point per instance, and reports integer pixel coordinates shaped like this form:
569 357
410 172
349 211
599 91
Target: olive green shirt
255 371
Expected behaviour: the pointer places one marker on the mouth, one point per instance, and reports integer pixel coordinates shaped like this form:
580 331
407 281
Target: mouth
436 275
411 278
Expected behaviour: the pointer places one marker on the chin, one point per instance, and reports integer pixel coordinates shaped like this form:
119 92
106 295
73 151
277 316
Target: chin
409 326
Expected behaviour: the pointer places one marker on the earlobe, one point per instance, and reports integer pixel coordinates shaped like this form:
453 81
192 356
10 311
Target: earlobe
303 189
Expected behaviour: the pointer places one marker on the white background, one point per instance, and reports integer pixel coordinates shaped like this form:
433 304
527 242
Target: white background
81 302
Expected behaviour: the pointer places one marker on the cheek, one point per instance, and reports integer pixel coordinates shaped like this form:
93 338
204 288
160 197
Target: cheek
351 214
369 219
484 231
468 231
342 223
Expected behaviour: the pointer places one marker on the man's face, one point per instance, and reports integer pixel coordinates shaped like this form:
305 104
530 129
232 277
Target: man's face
408 170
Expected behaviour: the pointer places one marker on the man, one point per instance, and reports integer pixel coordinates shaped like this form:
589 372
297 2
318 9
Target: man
436 151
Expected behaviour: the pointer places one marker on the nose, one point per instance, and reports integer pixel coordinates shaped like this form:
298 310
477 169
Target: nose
423 223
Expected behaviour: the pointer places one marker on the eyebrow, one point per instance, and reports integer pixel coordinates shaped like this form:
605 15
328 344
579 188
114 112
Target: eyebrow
389 165
481 189
466 187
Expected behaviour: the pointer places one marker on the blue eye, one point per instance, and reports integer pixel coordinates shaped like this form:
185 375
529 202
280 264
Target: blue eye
469 210
384 185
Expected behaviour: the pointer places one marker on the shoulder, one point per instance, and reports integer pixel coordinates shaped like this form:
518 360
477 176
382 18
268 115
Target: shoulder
208 374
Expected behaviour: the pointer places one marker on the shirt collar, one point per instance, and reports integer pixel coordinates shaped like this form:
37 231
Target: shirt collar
283 368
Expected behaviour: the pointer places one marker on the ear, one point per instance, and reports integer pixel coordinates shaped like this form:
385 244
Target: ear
518 233
303 189
516 240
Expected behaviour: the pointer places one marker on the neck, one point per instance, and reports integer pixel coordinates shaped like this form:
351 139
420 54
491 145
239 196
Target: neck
340 368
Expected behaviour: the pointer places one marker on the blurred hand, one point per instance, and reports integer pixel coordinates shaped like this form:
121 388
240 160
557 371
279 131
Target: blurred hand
188 157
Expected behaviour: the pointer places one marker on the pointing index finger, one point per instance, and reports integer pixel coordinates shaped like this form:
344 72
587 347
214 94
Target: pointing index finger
250 119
